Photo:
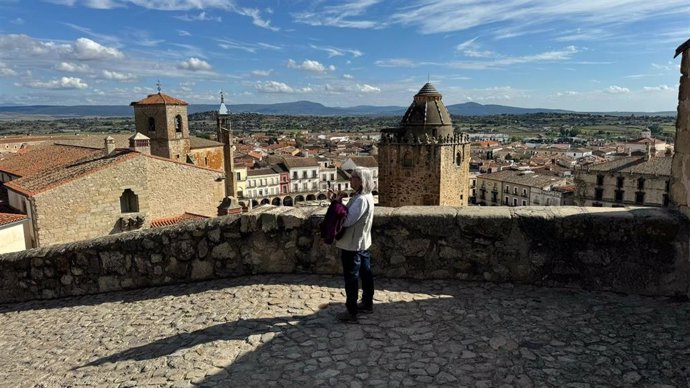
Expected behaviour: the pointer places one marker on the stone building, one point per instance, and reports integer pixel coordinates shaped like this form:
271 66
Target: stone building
13 232
519 188
72 193
633 180
163 119
423 162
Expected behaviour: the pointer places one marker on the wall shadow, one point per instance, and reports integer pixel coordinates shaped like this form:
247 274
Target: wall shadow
455 336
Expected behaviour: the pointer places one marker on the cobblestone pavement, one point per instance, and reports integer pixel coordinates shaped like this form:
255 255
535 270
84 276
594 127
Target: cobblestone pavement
281 331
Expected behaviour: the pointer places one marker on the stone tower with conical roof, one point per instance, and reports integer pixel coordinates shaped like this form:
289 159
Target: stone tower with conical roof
224 135
163 119
423 162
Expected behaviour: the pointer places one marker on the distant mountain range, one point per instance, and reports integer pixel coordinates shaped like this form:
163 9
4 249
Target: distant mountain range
298 108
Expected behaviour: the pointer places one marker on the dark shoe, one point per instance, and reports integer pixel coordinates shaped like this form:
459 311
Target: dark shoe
346 317
365 308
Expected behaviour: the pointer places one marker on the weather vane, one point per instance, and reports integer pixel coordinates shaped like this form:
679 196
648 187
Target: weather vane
221 96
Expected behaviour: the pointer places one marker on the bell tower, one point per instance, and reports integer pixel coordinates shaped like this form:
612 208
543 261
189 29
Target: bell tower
423 162
224 135
163 119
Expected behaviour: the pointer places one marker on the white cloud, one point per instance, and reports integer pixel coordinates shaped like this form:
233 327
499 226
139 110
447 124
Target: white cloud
310 65
183 33
262 73
17 21
615 89
397 62
194 64
278 87
348 76
72 67
62 83
340 15
356 88
230 44
87 49
201 17
6 71
338 52
114 75
435 16
568 93
659 88
257 20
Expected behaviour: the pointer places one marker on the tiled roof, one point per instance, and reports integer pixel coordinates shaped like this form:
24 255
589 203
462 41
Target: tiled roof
635 165
520 178
301 162
261 172
31 139
168 221
8 218
364 161
42 158
159 99
57 175
96 140
200 142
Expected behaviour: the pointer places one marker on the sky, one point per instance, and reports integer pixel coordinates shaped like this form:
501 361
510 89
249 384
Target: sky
584 55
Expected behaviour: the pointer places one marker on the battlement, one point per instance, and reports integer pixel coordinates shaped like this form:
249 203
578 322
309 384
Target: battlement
638 250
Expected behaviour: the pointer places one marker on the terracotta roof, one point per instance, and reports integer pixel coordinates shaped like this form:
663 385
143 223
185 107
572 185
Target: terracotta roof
200 142
636 165
31 139
364 161
261 172
96 140
301 162
159 99
44 158
520 178
61 174
7 218
168 221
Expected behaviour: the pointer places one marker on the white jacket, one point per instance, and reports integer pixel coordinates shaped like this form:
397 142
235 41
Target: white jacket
360 218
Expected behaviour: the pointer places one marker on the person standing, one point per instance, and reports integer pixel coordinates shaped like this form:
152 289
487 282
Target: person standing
354 245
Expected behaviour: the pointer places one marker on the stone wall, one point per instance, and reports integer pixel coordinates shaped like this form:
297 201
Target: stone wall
640 250
680 170
90 206
423 174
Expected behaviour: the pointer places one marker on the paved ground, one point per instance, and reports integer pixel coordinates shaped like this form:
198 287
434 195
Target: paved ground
280 331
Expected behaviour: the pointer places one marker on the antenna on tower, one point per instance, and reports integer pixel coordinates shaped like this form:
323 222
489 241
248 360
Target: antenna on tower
158 86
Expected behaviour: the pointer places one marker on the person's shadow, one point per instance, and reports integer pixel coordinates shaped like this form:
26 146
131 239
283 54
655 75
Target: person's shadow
456 336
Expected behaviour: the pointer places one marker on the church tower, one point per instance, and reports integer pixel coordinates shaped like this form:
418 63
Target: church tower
423 162
164 120
224 135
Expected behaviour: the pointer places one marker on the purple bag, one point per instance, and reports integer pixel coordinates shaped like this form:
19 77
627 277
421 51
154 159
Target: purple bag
332 225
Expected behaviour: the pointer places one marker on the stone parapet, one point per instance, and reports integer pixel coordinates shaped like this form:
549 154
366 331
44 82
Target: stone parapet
635 250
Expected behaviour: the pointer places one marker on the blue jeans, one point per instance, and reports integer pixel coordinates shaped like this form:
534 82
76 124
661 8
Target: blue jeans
356 265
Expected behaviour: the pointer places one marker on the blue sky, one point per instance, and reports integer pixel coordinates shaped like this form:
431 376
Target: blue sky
585 55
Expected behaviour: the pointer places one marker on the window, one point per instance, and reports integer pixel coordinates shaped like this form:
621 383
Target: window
640 184
129 202
332 177
600 180
296 187
494 197
639 197
507 190
619 182
524 203
313 173
505 201
239 176
152 125
668 186
407 160
619 195
524 192
598 193
178 123
458 159
665 200
514 201
304 175
515 191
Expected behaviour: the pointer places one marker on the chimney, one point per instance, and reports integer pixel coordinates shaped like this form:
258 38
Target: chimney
109 145
140 143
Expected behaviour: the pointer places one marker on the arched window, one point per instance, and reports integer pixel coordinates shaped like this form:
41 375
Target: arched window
152 125
129 202
178 123
458 159
407 160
